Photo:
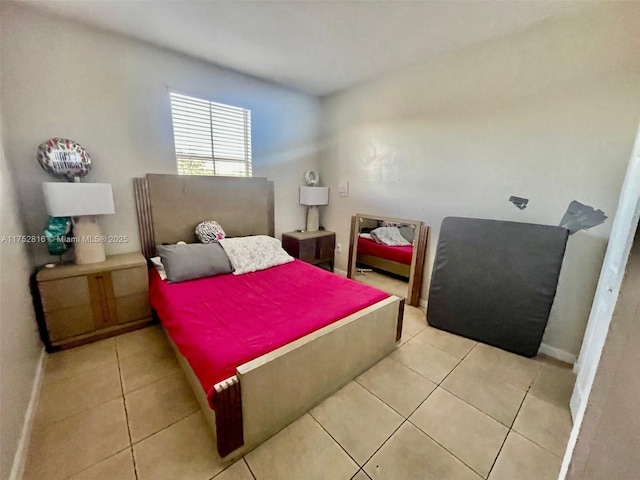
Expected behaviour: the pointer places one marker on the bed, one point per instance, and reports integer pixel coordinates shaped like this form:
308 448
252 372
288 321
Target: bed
307 349
396 260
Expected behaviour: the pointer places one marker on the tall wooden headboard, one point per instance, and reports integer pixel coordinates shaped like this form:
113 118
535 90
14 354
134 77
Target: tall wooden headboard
170 206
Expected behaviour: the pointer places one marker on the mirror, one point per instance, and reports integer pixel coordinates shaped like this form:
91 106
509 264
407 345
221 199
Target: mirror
388 253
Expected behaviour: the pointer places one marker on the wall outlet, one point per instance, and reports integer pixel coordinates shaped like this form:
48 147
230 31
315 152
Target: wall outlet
338 247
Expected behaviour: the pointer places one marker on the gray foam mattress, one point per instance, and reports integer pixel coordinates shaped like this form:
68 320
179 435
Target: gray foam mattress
495 281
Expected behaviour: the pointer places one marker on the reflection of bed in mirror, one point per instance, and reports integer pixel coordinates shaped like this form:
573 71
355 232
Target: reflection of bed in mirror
390 246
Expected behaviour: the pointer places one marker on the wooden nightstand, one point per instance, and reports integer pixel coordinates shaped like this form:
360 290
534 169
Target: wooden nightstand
317 248
83 303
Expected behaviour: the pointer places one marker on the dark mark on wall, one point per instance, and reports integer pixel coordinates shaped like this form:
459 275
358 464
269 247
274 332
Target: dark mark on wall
519 202
581 217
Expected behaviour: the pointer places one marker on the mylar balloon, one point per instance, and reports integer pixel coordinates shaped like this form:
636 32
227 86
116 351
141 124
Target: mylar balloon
64 158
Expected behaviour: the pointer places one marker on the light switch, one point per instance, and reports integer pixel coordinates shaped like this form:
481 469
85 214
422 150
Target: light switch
343 188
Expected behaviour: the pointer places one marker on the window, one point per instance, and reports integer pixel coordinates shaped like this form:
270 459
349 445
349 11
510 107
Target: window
211 138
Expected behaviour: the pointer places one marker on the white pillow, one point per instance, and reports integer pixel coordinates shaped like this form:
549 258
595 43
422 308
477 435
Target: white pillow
390 236
250 254
157 262
366 235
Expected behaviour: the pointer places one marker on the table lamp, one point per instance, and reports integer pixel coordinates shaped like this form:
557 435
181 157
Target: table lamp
83 202
312 197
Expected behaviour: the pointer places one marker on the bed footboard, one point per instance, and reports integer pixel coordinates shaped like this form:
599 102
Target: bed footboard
228 405
282 385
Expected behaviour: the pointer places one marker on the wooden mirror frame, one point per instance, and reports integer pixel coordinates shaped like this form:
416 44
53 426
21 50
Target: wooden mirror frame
417 261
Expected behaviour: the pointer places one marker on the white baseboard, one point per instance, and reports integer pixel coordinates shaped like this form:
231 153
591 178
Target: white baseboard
20 458
342 273
558 354
576 401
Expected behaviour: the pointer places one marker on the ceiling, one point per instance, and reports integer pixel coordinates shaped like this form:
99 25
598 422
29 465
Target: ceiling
317 47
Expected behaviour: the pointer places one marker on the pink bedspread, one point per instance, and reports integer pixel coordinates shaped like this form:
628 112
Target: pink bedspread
219 323
397 254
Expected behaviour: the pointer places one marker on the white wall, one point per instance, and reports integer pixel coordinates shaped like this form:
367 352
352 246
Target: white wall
109 93
20 347
548 114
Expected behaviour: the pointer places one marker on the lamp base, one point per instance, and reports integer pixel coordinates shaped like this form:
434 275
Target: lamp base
89 241
313 218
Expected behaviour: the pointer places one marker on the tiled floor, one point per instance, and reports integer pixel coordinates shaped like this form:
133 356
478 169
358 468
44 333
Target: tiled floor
387 283
440 407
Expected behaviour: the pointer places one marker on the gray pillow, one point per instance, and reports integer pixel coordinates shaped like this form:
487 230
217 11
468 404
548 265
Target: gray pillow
408 232
194 260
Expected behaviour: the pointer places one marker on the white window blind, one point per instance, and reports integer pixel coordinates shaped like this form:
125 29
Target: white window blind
211 138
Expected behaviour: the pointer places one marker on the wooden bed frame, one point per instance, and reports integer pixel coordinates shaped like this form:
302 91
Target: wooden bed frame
380 263
267 393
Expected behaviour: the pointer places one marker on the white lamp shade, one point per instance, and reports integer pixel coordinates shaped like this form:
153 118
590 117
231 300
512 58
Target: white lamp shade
77 199
314 195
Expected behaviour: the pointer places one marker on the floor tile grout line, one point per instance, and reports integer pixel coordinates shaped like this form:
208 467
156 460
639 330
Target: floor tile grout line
436 383
404 420
217 474
439 385
153 382
495 377
126 412
459 360
78 412
360 467
383 401
480 410
137 442
94 464
334 439
510 429
436 347
536 443
449 451
246 462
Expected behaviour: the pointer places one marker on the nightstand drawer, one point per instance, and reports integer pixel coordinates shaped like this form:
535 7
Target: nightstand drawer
326 247
133 307
307 250
129 281
64 293
70 321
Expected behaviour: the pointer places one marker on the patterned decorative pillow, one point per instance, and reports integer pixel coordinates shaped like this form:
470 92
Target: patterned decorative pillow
250 254
209 232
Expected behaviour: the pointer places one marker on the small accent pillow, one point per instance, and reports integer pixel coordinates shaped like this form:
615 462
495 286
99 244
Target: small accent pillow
209 232
193 260
250 254
390 236
157 263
